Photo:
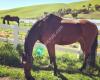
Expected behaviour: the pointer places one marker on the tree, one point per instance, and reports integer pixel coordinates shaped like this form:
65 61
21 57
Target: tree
89 6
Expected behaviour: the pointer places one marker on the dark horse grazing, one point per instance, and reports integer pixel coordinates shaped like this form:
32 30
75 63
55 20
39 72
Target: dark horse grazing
10 18
53 30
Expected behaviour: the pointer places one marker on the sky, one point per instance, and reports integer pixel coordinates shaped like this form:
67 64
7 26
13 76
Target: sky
9 4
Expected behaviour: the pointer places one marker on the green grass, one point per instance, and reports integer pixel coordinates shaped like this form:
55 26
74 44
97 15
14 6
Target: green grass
67 63
68 71
78 5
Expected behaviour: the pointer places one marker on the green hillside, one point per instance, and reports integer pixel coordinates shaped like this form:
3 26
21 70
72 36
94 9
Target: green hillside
38 10
78 5
33 11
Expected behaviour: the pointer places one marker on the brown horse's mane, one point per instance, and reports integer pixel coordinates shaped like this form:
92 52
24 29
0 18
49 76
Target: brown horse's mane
52 17
75 21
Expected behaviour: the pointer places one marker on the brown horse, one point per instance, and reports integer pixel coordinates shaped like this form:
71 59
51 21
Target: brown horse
53 30
10 18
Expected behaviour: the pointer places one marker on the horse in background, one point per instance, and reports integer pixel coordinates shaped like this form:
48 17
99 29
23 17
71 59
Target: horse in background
53 30
10 18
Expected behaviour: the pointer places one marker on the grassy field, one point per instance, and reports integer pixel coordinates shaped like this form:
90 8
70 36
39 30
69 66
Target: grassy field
68 71
35 11
67 62
67 67
78 5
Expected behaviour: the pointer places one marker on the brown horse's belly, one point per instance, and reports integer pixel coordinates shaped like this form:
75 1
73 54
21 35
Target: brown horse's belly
67 41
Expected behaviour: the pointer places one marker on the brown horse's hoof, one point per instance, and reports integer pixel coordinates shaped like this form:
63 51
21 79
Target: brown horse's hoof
81 69
30 78
55 74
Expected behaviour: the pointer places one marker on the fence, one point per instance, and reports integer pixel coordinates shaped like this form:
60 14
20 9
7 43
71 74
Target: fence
15 33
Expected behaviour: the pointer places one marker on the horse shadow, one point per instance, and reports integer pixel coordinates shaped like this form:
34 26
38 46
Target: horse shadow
60 71
46 68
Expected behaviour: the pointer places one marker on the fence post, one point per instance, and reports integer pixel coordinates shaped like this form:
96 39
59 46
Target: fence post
15 33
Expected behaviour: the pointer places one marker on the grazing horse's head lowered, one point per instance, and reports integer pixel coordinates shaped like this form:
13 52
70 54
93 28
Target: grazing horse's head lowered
53 30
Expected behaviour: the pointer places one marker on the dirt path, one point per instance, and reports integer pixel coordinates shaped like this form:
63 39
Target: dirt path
5 78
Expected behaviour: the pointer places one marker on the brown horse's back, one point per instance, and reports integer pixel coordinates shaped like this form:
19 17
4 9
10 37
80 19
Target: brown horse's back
68 31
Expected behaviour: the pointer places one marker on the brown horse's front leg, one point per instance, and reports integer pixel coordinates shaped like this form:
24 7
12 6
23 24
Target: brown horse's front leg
85 63
27 64
55 66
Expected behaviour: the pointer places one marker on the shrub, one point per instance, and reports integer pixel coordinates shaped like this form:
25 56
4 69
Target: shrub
8 55
20 48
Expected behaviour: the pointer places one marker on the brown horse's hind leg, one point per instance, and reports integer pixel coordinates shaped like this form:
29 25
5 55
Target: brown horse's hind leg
86 50
51 51
92 56
82 44
88 46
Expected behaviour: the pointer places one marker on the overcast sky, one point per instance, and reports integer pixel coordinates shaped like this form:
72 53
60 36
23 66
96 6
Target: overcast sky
8 4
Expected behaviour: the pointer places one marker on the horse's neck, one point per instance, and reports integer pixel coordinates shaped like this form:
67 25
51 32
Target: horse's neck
29 44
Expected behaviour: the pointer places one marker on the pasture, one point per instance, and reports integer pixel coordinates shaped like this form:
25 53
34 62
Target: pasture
67 62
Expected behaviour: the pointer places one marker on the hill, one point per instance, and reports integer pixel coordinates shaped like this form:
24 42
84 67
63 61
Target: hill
33 11
78 5
38 10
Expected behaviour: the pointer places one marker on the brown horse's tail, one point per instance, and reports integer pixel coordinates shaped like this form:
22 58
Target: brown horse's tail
94 51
